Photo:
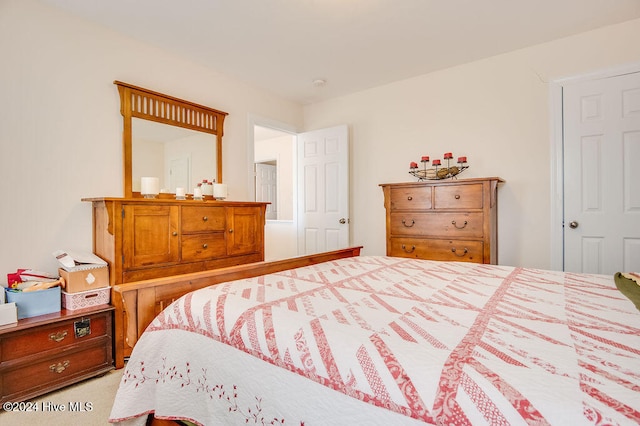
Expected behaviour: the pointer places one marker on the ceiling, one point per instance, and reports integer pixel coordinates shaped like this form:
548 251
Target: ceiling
285 45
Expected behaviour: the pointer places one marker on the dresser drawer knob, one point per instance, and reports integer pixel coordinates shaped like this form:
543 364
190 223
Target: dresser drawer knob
205 218
174 233
231 231
408 226
457 196
204 246
453 222
59 367
453 249
59 336
409 198
404 248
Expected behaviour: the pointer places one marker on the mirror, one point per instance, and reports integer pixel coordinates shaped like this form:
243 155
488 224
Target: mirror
175 140
179 157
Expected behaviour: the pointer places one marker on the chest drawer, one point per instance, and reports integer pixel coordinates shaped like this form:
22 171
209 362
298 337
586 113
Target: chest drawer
55 337
55 370
458 197
465 225
411 198
203 219
436 249
203 246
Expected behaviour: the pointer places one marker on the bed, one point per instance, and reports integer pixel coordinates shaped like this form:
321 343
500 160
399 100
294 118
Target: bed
379 340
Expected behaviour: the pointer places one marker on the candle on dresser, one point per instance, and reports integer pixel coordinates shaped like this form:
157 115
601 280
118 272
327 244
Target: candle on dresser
197 193
149 186
220 191
180 193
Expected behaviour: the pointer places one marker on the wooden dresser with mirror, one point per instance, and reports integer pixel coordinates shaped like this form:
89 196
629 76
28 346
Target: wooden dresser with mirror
154 238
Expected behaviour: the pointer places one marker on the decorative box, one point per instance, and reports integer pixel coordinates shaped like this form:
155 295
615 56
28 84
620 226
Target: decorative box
34 303
8 313
85 279
86 299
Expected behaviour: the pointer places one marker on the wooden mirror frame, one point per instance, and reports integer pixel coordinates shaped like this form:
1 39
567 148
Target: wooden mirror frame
149 105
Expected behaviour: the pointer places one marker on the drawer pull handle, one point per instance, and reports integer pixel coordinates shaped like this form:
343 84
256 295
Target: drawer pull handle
453 249
453 222
59 336
175 234
205 218
457 196
231 231
59 367
204 246
409 198
408 226
404 248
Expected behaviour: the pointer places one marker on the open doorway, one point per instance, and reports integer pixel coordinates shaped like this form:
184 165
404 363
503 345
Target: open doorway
274 181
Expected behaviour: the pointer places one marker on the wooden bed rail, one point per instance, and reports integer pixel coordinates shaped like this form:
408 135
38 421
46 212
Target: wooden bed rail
138 303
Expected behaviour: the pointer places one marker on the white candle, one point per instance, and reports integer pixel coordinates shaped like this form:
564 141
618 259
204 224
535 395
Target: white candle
150 186
220 191
180 192
197 193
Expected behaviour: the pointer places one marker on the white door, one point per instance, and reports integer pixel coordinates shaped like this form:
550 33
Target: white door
323 190
267 188
602 175
179 173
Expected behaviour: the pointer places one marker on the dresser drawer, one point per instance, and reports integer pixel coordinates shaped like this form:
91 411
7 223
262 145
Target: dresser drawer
434 249
410 198
54 337
458 197
46 373
464 225
203 246
202 219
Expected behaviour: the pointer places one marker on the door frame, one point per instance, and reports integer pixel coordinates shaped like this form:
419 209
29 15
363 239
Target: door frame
557 150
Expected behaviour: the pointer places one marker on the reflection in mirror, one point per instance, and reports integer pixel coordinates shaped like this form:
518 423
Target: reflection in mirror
179 157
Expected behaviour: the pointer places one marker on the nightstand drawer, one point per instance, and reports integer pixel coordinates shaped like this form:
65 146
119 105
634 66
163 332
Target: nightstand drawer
410 198
202 219
451 250
55 370
53 337
458 197
463 225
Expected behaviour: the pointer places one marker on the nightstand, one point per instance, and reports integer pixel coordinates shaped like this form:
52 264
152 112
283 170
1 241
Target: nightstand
44 353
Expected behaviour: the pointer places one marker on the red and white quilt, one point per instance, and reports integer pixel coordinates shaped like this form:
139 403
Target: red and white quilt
382 340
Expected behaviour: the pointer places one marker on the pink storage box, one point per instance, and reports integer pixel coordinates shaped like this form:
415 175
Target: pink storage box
86 299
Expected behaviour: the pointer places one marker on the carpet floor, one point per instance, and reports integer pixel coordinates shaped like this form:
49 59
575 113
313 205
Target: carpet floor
99 392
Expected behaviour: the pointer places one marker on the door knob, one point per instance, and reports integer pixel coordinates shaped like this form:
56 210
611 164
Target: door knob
573 224
343 221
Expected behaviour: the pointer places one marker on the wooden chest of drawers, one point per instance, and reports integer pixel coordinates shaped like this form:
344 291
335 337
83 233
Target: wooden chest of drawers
449 219
44 353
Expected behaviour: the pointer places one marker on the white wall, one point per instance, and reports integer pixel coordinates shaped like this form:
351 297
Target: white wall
60 126
496 111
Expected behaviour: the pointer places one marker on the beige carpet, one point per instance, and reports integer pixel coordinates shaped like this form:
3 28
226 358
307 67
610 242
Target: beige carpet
99 391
